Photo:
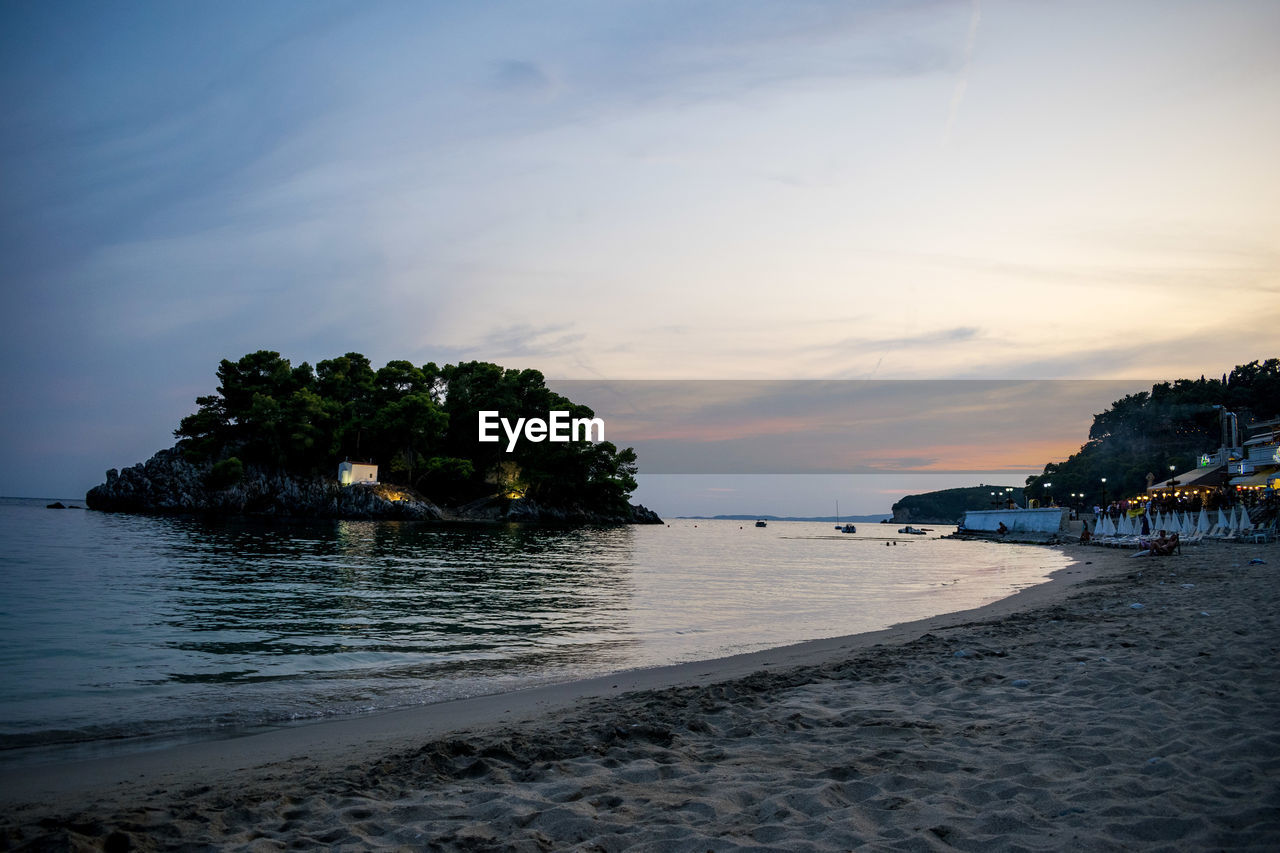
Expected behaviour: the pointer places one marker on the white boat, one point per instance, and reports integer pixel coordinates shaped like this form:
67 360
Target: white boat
843 528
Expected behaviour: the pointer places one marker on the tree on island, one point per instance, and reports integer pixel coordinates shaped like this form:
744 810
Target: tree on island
419 424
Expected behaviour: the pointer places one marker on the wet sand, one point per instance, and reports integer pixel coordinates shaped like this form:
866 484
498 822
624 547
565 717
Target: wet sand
1061 718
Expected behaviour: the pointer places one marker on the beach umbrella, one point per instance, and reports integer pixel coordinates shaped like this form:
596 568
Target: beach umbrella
1234 518
1202 523
1129 526
1175 524
1223 523
1246 522
1157 521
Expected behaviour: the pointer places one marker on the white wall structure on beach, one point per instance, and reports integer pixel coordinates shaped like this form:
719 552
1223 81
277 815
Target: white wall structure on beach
354 472
1047 520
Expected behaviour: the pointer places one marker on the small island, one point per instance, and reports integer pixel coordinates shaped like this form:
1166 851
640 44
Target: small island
284 441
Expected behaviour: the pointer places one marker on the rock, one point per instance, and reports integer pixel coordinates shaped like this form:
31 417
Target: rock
55 505
641 514
170 483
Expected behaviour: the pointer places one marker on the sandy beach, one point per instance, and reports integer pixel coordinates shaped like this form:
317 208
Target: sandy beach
1128 704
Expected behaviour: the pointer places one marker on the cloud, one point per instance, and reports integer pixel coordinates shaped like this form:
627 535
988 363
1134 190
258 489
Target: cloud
939 337
522 341
962 84
1249 269
522 77
853 426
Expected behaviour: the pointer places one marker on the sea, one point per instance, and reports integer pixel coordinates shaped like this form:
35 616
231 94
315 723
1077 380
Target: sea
123 633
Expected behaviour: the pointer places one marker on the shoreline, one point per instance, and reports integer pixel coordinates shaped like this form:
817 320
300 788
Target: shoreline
488 743
365 735
114 746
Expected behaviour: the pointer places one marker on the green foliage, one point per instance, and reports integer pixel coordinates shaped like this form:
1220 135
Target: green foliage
1148 432
419 424
225 474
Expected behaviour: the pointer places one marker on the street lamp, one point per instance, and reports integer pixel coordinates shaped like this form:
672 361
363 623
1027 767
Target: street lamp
1048 497
1104 492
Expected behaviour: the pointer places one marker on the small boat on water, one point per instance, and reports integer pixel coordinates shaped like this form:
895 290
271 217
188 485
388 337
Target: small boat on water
843 528
760 522
916 531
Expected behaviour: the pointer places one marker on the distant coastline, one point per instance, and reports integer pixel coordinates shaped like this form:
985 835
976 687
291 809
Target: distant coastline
868 519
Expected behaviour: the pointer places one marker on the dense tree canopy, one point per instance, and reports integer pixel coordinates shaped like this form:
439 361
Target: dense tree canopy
419 424
1172 424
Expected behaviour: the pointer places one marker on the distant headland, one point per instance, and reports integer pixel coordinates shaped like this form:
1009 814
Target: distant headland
878 517
343 440
1182 441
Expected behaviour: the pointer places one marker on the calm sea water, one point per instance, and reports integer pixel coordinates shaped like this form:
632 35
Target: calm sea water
123 632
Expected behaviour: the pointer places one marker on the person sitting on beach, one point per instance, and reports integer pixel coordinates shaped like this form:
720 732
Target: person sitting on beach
1163 547
1085 535
1003 530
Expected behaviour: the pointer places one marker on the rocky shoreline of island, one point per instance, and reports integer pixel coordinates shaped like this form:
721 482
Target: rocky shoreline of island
169 483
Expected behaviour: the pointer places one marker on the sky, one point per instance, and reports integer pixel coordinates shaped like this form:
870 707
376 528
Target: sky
652 190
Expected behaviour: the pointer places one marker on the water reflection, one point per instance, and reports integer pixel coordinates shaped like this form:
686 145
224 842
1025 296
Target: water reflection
114 626
254 601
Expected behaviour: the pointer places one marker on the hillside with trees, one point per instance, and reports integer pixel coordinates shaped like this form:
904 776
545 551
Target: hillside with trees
949 505
1140 434
1146 433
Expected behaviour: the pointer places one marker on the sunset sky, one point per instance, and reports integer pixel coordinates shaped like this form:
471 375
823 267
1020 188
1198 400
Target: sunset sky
625 190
